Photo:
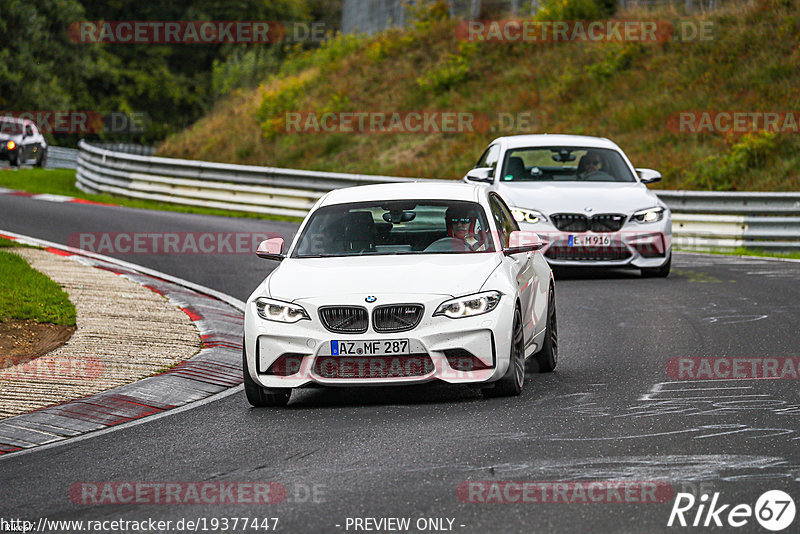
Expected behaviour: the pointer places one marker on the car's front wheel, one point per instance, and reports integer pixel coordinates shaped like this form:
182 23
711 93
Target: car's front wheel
258 396
657 272
547 358
511 383
42 160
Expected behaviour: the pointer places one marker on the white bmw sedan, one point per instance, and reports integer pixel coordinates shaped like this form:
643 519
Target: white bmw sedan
401 284
584 197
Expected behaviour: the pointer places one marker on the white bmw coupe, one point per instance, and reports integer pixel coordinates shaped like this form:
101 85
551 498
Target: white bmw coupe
401 284
584 197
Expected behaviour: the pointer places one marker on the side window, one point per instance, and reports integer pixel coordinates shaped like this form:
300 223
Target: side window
489 158
503 220
28 130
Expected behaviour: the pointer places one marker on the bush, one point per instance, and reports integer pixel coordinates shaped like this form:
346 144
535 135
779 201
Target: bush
277 101
243 68
454 69
575 9
751 153
617 58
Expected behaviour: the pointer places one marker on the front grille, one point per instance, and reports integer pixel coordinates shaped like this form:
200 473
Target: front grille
407 365
570 222
607 222
588 253
396 317
344 319
576 222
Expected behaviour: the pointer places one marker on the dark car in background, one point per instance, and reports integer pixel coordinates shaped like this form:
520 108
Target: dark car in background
21 142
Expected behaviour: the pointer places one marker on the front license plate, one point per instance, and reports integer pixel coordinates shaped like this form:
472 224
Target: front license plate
589 241
384 347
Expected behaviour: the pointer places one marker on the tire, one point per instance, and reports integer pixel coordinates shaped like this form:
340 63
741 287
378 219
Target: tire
258 396
14 161
42 161
547 358
658 272
510 385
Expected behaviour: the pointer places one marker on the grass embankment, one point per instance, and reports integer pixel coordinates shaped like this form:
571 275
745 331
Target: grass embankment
62 182
744 251
629 92
27 294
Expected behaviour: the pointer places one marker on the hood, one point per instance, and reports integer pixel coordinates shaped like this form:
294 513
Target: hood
432 274
575 197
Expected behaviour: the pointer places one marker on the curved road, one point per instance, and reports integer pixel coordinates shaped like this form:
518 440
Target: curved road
610 412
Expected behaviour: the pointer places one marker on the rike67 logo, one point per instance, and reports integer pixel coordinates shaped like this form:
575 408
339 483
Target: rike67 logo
774 510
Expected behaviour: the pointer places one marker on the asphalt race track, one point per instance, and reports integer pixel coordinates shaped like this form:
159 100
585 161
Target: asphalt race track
610 412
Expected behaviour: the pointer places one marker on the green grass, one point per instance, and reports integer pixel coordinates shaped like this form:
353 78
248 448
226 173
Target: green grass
744 251
62 182
630 93
27 294
6 243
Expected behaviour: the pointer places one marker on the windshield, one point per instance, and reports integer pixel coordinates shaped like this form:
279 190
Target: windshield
395 227
10 127
564 164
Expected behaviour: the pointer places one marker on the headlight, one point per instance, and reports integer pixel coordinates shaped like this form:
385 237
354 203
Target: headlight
649 215
469 306
11 145
528 216
282 312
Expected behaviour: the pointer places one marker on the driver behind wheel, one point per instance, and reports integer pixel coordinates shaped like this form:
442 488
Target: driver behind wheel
593 167
461 225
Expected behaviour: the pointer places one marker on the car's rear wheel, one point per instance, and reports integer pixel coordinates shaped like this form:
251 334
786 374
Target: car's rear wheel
657 272
13 160
547 358
511 383
258 396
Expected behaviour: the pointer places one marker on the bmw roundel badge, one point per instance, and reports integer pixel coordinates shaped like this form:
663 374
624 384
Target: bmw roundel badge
370 299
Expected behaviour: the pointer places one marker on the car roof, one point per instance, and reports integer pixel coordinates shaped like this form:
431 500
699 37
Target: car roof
419 190
516 141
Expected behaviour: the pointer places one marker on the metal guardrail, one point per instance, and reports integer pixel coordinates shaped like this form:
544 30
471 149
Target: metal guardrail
268 190
701 220
61 158
704 220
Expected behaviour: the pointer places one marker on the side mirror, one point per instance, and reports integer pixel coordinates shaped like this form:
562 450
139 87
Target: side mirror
481 174
271 249
523 241
648 176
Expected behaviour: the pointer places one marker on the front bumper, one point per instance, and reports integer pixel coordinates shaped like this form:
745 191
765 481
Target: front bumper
467 350
634 245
